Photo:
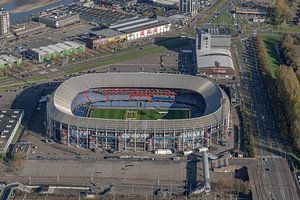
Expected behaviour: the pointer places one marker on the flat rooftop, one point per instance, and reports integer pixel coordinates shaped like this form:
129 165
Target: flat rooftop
115 2
257 11
27 25
8 121
58 47
101 16
138 25
106 33
214 31
6 59
39 42
57 14
167 2
170 13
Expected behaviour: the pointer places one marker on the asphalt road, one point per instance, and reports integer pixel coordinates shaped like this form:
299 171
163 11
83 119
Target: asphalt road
279 179
270 178
6 192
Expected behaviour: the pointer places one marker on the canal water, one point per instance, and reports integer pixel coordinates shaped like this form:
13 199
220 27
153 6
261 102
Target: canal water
16 18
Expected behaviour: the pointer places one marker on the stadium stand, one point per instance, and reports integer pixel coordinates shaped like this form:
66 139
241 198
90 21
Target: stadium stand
137 97
80 111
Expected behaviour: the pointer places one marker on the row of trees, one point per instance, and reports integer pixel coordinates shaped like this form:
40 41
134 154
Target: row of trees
249 144
288 91
287 84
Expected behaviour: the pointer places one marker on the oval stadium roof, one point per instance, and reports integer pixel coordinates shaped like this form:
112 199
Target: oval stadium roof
60 104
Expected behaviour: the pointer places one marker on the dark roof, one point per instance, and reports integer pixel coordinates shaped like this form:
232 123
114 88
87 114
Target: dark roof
101 16
169 13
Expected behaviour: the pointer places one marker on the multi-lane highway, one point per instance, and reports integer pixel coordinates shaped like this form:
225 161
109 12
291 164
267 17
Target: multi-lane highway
270 178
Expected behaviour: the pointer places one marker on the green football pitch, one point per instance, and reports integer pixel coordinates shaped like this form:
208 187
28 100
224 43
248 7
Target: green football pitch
137 114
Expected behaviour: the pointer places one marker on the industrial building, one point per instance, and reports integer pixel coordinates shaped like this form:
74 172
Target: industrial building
175 17
44 53
189 6
104 37
215 63
27 28
116 3
161 2
213 54
252 11
58 17
251 8
69 123
214 38
9 60
127 31
143 27
87 3
104 17
166 2
145 10
252 14
4 22
10 121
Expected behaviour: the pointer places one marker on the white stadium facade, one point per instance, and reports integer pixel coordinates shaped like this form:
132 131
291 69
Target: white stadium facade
69 128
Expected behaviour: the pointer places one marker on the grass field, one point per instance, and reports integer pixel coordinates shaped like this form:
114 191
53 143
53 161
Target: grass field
271 41
287 28
134 114
224 19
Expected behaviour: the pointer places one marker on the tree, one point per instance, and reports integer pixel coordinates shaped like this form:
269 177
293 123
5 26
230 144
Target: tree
288 88
288 51
281 12
249 144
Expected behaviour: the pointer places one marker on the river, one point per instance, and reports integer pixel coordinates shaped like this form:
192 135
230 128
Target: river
16 18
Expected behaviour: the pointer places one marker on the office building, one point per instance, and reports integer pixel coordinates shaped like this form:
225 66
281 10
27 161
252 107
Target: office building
189 6
4 22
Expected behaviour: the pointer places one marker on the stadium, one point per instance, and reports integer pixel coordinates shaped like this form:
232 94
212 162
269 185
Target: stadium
138 112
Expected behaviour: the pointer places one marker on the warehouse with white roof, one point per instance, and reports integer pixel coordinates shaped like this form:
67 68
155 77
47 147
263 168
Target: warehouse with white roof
215 65
214 59
44 53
